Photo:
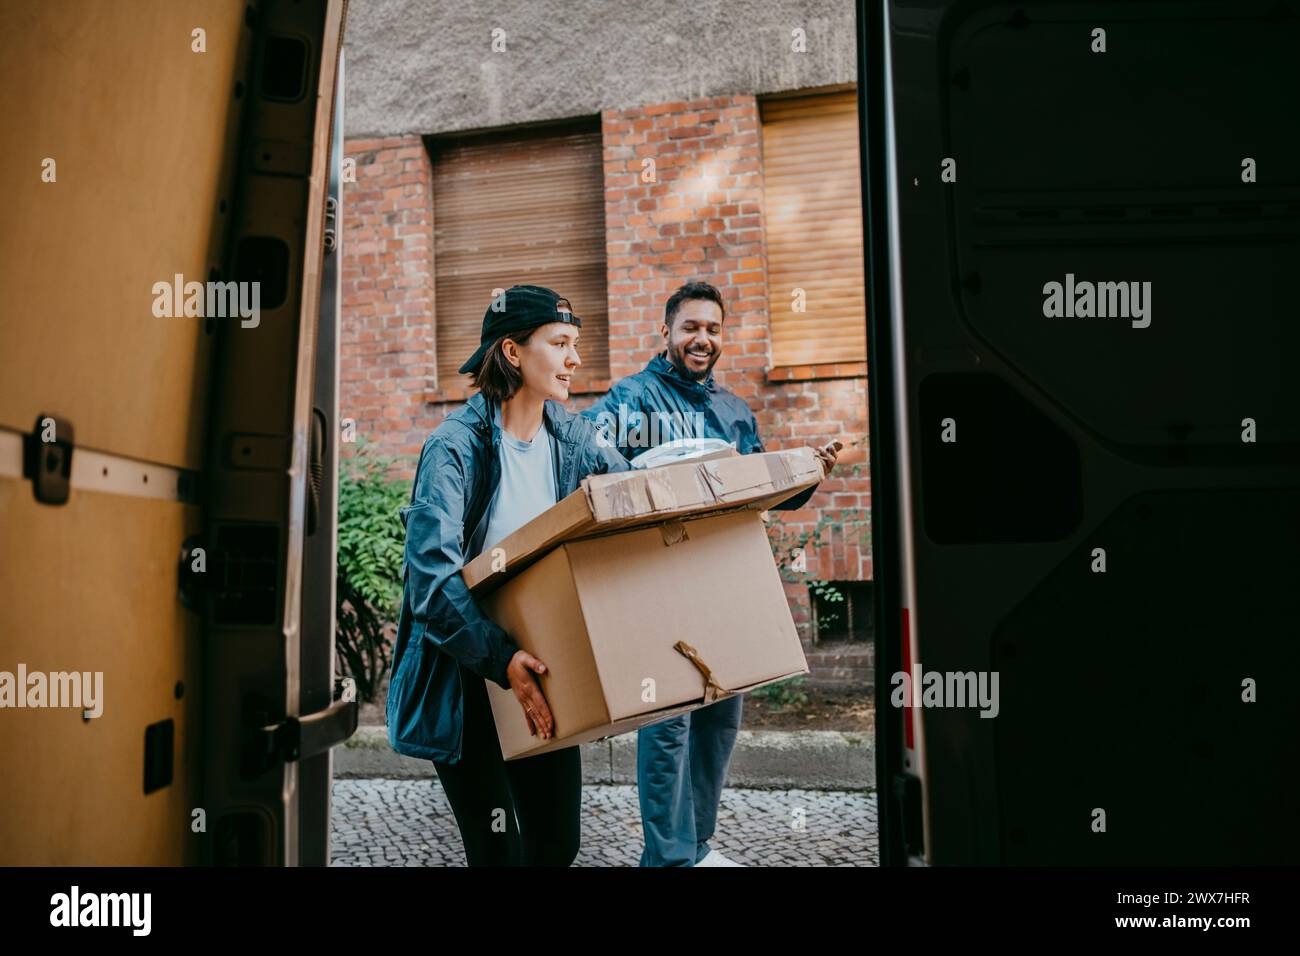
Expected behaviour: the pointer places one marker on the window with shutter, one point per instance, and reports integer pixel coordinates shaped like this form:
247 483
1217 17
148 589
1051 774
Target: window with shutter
512 208
814 229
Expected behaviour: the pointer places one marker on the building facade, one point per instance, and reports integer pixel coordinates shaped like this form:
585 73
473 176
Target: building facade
614 152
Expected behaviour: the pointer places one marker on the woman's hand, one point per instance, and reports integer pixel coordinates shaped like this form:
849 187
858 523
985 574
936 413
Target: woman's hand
529 693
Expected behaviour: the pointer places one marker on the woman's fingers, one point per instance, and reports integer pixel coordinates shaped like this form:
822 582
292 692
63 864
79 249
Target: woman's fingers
541 713
537 700
529 694
535 711
526 705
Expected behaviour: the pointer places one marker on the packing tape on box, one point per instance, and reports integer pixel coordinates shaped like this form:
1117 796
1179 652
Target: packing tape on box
673 532
702 482
651 491
660 491
778 469
627 497
713 483
780 475
712 689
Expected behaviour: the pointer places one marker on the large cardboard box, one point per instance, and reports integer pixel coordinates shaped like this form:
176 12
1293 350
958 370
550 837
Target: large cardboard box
636 586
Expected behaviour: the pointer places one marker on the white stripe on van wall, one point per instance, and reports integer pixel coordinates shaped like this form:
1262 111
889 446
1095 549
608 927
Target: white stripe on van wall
104 473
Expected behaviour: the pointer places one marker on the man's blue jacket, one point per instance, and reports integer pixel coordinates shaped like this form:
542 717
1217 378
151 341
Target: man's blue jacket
441 628
659 387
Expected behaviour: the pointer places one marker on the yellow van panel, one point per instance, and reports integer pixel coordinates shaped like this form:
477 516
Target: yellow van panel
141 130
92 586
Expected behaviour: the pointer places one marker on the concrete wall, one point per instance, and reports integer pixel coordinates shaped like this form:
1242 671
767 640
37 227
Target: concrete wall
428 66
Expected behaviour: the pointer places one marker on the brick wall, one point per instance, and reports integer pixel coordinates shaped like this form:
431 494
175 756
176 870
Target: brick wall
701 217
386 336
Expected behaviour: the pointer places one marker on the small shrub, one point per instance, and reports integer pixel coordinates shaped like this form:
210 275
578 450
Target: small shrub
371 543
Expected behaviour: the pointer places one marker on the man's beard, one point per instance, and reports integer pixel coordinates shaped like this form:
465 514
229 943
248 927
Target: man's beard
678 360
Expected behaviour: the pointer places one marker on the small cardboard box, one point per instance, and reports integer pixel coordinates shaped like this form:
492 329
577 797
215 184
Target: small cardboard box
605 585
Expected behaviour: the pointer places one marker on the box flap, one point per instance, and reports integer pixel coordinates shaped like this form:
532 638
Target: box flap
629 499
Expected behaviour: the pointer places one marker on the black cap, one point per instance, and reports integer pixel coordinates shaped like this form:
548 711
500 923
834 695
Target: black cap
519 308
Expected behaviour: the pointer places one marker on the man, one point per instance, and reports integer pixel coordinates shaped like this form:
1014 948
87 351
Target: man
682 762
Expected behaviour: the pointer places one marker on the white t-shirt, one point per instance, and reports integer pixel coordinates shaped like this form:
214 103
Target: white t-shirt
527 485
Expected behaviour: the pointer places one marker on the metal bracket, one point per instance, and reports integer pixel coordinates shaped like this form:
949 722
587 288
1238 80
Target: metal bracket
47 459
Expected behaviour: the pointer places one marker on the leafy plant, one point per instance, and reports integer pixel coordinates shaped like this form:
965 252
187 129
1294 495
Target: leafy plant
828 593
784 693
371 542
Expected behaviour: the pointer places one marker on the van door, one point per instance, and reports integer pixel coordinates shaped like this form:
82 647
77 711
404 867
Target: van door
1085 429
161 267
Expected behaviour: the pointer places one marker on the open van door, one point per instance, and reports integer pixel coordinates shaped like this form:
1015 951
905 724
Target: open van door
167 432
1084 232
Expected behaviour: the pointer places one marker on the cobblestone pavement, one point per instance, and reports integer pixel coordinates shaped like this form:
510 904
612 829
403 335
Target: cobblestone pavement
409 823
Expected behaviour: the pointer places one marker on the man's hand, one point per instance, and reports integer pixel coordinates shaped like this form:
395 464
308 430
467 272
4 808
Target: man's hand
528 692
829 454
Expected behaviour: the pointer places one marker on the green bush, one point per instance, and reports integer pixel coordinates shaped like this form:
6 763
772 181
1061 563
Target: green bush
371 543
783 693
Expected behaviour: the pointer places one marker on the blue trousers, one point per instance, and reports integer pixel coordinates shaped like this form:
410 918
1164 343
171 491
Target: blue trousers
681 765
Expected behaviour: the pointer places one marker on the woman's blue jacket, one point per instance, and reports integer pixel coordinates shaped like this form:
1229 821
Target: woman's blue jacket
441 629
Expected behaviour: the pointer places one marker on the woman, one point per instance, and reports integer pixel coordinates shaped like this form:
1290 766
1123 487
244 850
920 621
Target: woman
494 464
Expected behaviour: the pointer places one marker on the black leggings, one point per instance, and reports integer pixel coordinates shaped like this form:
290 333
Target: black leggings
523 812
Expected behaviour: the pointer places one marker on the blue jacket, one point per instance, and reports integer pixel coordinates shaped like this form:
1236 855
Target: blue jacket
441 629
626 410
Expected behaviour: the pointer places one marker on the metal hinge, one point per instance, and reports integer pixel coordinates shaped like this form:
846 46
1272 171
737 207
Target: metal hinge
331 224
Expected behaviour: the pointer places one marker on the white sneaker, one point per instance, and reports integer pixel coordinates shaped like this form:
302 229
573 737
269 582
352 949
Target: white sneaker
714 858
